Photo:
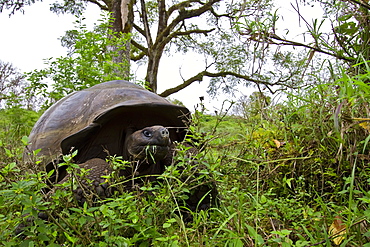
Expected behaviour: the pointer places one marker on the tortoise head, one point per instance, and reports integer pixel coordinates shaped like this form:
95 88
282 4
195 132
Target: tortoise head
151 144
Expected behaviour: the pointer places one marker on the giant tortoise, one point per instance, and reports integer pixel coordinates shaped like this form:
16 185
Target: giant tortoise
115 118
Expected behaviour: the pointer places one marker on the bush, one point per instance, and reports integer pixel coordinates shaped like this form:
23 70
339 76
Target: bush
293 174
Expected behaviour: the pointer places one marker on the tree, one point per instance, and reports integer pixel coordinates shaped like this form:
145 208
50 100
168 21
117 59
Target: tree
142 17
195 26
88 63
253 106
241 42
182 26
12 87
346 41
121 16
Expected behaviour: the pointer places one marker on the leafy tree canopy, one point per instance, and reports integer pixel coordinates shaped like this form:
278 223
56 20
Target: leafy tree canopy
243 43
12 88
89 62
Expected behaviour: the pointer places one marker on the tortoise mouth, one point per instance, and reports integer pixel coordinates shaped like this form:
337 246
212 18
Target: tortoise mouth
150 152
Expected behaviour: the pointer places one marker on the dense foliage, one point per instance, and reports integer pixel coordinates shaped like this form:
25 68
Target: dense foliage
292 173
289 172
89 62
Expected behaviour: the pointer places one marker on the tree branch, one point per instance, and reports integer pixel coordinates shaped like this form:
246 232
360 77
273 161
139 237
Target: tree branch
201 75
144 17
102 7
271 38
361 3
162 16
138 57
15 5
294 43
181 5
220 15
139 29
183 15
140 47
176 34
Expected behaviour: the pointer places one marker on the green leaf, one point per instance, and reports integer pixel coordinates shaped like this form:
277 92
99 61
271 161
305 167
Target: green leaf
67 158
82 220
74 153
71 239
25 140
288 181
166 225
76 210
344 17
8 153
162 239
263 199
253 233
282 233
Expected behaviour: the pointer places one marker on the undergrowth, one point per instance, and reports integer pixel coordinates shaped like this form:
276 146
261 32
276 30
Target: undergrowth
294 173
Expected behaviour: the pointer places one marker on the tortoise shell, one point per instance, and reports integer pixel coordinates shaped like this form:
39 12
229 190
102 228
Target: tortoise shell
95 121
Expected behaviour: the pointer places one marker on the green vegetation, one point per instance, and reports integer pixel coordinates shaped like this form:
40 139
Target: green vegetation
287 175
292 172
89 62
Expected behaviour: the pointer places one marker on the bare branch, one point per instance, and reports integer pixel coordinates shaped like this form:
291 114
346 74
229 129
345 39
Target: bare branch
179 33
361 3
144 18
138 57
201 75
139 46
339 41
101 6
181 5
271 38
294 43
186 14
139 29
220 15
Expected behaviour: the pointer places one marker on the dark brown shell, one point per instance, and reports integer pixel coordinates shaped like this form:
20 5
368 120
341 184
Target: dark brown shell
95 120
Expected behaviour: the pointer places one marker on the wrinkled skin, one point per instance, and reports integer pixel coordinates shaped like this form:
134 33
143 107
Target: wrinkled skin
151 144
148 148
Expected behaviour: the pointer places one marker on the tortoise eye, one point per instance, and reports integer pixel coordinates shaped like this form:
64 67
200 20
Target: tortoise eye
147 133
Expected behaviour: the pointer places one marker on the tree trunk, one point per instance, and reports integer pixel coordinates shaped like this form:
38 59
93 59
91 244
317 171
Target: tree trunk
122 14
155 50
154 57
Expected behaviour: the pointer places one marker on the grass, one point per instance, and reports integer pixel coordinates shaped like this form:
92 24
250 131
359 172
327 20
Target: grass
289 174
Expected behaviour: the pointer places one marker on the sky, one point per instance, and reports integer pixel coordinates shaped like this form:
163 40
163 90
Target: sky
27 39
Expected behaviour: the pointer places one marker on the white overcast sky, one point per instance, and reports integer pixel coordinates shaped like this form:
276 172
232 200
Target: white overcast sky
27 39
